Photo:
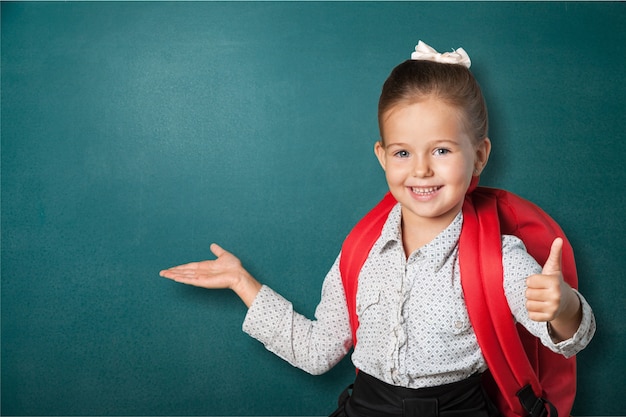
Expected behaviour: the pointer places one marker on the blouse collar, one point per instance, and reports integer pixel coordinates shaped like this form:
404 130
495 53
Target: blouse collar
436 251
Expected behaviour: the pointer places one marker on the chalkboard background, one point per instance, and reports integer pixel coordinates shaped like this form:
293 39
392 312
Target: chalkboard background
135 134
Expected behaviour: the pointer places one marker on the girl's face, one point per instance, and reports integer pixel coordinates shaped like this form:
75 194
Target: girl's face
429 160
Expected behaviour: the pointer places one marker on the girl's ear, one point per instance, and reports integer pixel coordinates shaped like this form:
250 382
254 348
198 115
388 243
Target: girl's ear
483 149
379 150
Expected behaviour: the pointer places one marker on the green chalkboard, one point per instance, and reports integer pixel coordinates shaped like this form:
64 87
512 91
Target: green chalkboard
134 134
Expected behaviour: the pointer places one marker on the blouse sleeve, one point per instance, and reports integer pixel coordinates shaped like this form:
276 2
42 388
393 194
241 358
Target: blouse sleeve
312 345
518 265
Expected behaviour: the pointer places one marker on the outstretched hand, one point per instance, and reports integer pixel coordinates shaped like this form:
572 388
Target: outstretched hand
224 272
550 299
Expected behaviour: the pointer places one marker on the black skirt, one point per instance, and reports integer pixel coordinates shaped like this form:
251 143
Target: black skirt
371 397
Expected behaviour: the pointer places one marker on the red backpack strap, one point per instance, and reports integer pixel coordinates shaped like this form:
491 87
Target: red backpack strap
527 221
480 262
515 357
355 250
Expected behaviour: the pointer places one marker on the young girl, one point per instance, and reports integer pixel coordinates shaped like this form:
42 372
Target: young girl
417 353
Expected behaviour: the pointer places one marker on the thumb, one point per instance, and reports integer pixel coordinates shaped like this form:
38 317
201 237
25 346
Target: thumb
553 264
217 250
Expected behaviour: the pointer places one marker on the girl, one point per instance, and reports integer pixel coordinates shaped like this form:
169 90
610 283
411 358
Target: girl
417 352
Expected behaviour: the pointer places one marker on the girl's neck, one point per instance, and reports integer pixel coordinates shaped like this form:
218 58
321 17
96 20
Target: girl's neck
417 233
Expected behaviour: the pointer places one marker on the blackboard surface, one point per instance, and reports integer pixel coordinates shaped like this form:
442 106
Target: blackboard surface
134 134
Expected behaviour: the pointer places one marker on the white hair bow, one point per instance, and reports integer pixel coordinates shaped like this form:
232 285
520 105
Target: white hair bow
426 53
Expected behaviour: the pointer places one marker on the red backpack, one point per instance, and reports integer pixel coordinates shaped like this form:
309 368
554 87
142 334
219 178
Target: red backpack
524 377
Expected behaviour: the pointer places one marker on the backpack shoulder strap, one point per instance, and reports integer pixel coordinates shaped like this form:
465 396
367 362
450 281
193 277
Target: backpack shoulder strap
515 358
355 250
522 218
480 262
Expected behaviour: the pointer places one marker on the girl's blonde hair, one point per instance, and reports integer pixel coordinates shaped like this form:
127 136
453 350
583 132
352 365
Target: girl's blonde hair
416 80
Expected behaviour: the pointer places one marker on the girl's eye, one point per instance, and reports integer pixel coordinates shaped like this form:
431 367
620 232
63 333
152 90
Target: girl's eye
402 154
441 151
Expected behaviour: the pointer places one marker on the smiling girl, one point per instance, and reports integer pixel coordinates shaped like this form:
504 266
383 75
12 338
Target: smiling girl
417 351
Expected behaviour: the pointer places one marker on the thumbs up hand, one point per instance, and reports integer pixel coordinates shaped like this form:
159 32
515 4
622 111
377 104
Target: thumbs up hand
550 299
545 292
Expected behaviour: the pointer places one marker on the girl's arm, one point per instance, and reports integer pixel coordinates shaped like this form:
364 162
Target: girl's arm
312 345
224 272
542 302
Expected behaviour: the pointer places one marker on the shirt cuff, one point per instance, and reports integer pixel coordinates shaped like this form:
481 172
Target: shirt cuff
583 335
264 315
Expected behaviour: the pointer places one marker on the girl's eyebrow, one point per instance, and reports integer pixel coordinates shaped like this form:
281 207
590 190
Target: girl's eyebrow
398 144
448 141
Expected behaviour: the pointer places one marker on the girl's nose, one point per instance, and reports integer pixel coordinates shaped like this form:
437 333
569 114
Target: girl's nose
421 167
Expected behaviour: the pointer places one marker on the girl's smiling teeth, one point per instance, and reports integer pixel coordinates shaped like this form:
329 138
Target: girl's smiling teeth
425 190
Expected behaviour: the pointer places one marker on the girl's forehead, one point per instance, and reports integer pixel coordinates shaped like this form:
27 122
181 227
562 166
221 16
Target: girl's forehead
429 100
424 115
428 115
